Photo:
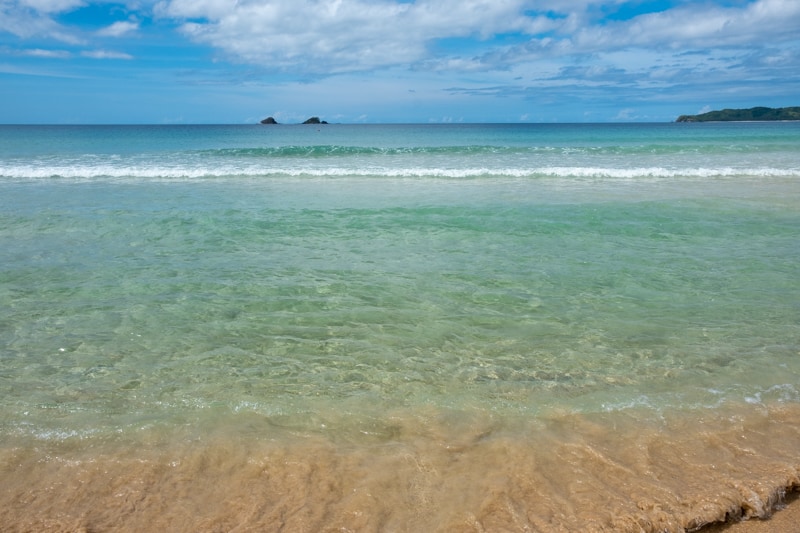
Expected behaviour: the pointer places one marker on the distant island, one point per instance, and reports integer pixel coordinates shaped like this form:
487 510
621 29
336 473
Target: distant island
312 120
754 113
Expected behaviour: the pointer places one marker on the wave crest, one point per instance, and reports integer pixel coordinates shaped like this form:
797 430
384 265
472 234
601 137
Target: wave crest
92 172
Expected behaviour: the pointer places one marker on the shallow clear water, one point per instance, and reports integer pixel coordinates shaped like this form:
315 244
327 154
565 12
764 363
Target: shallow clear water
413 287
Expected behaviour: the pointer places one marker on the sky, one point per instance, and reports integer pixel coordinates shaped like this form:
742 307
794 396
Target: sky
387 61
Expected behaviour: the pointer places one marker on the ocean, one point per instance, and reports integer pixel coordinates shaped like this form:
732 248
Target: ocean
398 328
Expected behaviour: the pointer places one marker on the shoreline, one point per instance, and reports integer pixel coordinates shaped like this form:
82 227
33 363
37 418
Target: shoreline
421 471
785 518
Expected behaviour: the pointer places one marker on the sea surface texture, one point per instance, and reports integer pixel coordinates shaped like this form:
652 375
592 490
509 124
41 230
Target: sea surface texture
398 328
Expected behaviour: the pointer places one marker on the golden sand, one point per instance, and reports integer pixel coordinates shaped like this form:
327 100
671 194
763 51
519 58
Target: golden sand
602 473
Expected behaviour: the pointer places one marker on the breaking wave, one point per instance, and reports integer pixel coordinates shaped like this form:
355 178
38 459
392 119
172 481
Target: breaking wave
91 172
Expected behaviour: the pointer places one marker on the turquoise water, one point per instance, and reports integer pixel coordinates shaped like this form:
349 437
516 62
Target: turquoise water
322 276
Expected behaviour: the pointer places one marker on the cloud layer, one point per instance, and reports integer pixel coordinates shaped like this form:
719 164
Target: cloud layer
328 37
598 52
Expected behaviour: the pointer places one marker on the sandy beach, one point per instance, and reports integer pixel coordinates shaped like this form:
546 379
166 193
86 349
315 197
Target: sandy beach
457 475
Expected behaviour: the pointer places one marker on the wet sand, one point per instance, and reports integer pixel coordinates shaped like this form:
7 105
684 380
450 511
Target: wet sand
445 472
784 520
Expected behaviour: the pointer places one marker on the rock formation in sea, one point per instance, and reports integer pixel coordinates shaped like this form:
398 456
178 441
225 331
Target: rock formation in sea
312 120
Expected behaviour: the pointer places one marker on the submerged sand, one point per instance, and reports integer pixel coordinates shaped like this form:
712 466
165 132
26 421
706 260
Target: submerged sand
454 473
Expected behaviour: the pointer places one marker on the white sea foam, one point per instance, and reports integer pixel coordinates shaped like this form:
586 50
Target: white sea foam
783 393
92 172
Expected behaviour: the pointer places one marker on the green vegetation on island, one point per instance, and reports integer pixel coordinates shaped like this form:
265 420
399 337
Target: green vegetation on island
755 113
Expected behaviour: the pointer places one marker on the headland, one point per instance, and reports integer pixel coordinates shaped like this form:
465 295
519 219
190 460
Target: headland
745 115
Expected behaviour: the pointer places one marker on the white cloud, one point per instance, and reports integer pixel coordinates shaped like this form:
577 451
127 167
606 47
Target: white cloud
706 25
119 28
336 36
52 6
32 19
53 54
35 19
211 9
342 35
625 114
29 71
105 54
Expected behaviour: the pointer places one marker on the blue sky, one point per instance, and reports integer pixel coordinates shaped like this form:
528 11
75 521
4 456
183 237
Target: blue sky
354 61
